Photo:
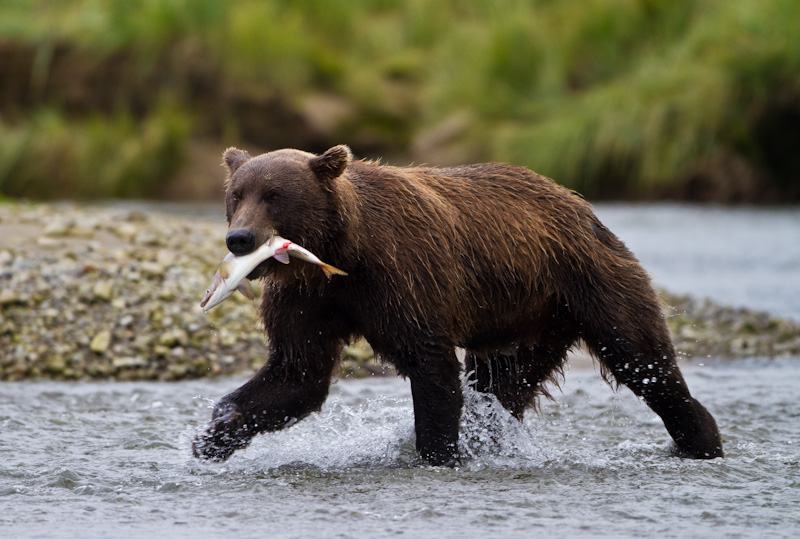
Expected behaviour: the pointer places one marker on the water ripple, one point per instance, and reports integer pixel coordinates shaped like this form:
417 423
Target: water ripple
104 457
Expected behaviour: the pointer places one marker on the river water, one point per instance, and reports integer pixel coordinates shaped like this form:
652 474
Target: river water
746 257
113 459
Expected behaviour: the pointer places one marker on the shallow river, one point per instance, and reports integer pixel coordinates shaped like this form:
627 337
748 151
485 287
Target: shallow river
746 257
113 459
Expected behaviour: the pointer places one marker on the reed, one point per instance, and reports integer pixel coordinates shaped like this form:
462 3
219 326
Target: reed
611 97
52 156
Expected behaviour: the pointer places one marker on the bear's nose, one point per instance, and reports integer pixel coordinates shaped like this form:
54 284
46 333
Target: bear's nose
240 241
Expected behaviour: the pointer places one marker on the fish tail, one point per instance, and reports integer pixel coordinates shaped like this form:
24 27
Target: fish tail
330 271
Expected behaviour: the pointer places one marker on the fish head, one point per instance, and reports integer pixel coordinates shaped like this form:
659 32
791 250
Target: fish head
213 288
288 192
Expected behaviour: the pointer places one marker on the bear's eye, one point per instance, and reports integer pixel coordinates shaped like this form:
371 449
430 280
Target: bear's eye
234 200
273 197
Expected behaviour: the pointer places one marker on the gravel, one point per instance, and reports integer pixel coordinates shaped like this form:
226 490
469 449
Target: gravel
91 292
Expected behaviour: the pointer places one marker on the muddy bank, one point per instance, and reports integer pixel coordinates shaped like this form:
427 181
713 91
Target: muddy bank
90 292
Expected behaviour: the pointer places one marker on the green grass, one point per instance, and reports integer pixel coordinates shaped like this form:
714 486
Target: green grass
51 156
616 98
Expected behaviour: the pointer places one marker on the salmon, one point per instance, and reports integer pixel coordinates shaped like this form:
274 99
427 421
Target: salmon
233 270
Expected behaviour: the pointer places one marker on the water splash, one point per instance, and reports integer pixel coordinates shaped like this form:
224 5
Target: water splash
377 432
490 435
363 429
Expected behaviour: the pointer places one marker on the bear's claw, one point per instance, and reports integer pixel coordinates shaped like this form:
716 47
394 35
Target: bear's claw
225 434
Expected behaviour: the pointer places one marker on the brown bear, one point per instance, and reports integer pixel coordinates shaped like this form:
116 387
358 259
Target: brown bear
492 258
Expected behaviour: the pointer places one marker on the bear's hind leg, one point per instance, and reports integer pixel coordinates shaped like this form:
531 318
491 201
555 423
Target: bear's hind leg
660 383
658 380
624 328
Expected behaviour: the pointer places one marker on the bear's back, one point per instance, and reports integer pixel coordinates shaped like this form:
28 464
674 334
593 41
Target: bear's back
472 239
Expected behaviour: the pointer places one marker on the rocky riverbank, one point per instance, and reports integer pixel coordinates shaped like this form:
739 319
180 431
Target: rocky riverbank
95 292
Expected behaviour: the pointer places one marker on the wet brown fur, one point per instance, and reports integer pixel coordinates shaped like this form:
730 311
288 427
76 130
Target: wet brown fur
492 258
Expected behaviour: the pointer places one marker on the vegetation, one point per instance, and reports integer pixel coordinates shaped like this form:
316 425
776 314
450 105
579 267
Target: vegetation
616 98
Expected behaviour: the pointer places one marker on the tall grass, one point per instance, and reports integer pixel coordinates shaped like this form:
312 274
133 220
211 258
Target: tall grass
703 93
52 156
612 97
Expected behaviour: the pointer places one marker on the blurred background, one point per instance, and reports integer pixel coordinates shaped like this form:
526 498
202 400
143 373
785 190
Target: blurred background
115 114
694 100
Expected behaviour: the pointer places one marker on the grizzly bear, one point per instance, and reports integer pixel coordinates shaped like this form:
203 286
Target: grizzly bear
491 258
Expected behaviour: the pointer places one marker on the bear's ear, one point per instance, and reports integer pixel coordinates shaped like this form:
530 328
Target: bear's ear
332 163
233 158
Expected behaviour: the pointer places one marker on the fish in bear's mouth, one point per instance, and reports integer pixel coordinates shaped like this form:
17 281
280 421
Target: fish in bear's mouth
235 271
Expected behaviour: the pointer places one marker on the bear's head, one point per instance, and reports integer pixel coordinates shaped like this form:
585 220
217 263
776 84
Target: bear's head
287 192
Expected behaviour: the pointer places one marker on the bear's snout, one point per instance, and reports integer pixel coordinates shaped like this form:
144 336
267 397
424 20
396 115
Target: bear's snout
240 241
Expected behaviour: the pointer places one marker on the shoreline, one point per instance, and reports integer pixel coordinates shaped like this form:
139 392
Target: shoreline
98 292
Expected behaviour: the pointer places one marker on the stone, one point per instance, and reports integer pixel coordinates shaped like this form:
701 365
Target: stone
6 258
9 297
100 342
55 365
103 290
58 228
135 362
152 269
126 231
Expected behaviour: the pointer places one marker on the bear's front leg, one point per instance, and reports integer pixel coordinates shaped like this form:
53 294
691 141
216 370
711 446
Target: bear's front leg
436 391
226 433
283 392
